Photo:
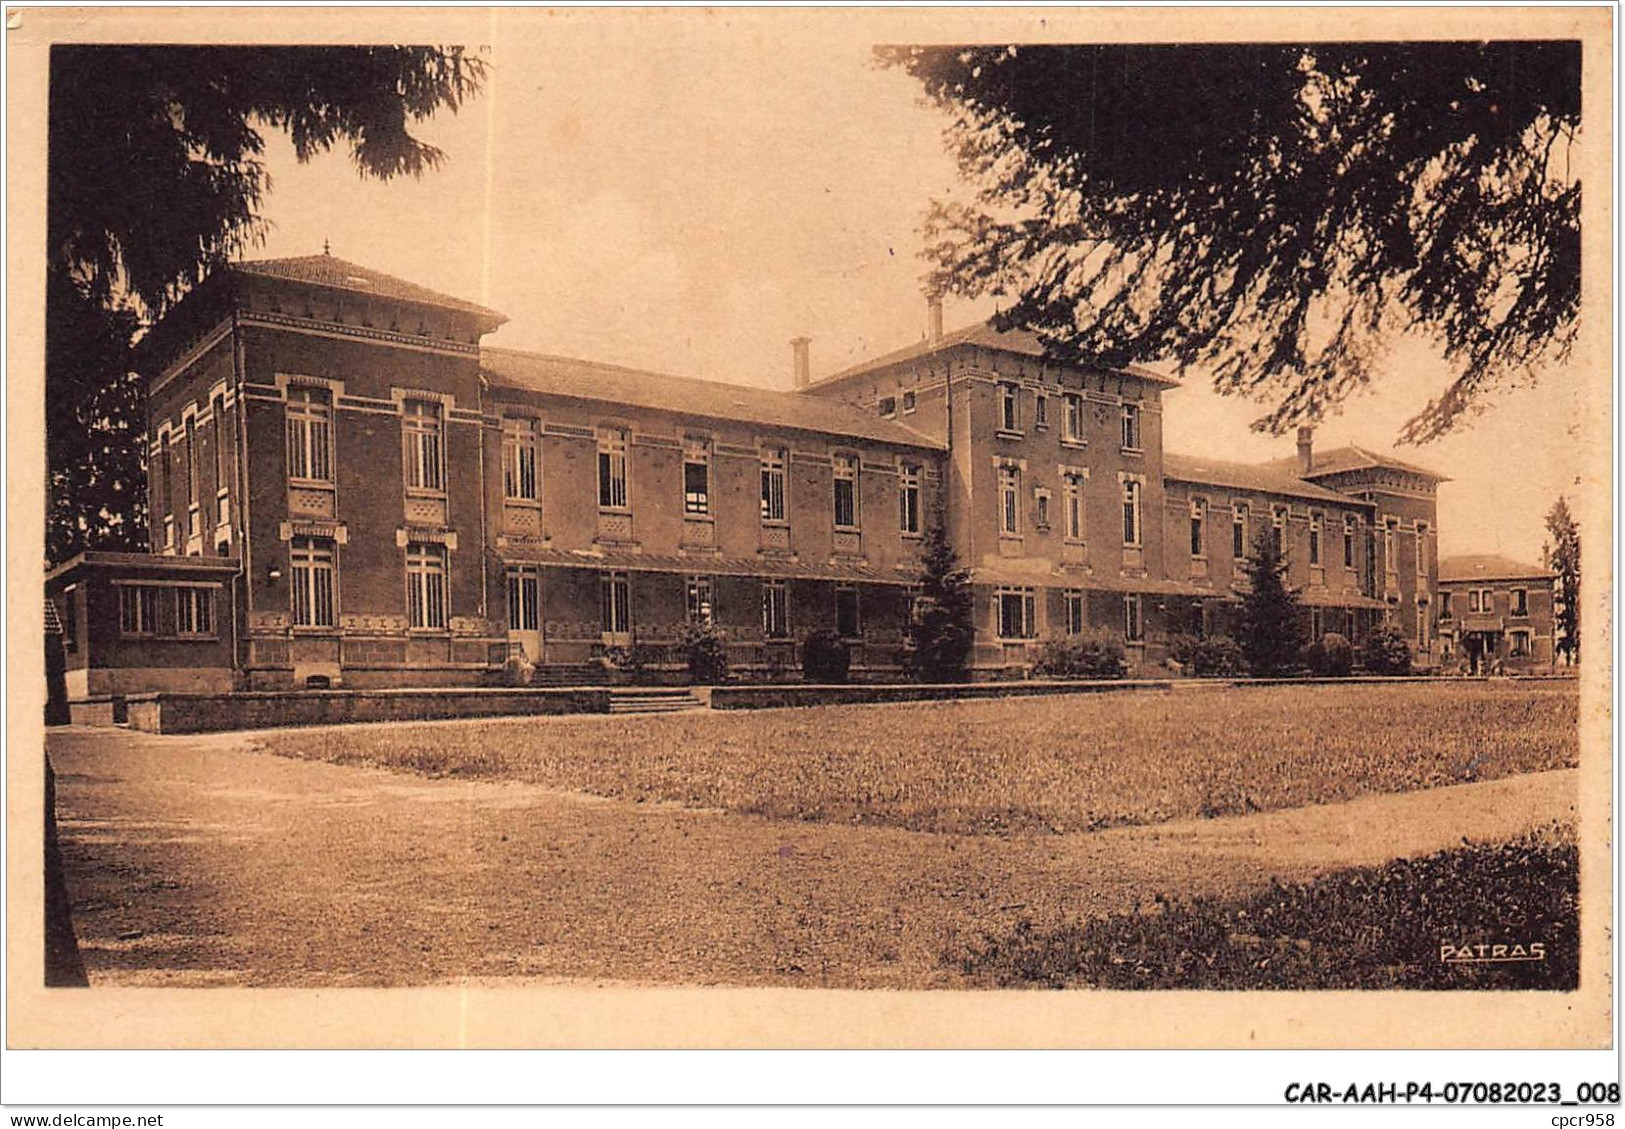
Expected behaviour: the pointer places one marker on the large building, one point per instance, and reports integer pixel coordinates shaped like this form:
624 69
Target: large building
348 487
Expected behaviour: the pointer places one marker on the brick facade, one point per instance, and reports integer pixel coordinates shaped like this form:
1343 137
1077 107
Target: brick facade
388 503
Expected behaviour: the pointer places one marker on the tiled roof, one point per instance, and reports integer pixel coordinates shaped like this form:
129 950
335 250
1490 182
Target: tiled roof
593 380
1488 566
983 335
1266 478
1337 460
337 274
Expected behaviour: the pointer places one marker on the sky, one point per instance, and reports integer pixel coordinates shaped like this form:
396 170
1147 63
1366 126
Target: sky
687 198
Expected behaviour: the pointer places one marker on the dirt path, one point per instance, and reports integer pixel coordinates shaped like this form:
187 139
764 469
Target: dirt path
195 861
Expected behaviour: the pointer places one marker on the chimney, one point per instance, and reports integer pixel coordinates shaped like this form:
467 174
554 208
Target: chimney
1306 450
803 369
933 306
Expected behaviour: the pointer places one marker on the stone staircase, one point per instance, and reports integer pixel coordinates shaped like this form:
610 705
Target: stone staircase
652 699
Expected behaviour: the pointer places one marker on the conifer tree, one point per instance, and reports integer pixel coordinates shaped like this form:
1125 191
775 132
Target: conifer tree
1563 558
943 628
1271 635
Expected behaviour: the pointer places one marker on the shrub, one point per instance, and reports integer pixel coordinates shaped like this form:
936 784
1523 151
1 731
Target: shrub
1330 656
1366 927
825 659
1094 654
1386 652
1217 656
707 656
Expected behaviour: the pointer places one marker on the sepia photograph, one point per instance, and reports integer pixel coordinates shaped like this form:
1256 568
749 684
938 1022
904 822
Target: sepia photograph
979 512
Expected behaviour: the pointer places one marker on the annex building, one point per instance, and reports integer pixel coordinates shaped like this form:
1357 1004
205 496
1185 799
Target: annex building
348 487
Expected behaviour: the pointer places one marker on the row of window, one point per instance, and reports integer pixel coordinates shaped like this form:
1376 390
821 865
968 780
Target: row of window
313 563
163 485
615 605
1072 416
1483 599
151 609
1016 616
310 461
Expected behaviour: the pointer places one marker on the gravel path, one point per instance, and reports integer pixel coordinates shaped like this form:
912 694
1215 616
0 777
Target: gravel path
195 861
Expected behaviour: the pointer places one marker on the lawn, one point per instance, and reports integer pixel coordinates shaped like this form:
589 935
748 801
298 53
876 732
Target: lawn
1368 927
1031 765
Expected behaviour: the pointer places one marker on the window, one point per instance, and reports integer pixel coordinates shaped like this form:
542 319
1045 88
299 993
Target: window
701 609
1422 625
1317 624
773 484
194 611
1133 618
888 406
1131 427
1444 605
697 477
1421 549
1017 615
1072 504
846 613
1131 511
519 460
1009 501
1278 519
312 561
1315 523
1040 411
1009 407
1390 546
615 590
1238 531
524 611
908 498
846 491
164 502
425 455
138 609
1072 426
1073 602
1348 540
908 402
310 435
1473 602
426 586
1041 508
169 532
612 493
1198 527
1520 647
1520 602
191 470
218 413
775 609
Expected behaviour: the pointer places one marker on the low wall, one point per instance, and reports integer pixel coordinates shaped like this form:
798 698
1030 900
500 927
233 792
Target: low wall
771 697
209 713
97 711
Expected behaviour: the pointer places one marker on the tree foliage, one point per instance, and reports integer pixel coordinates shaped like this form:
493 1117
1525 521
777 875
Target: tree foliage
1268 629
156 177
945 628
1270 213
1563 558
